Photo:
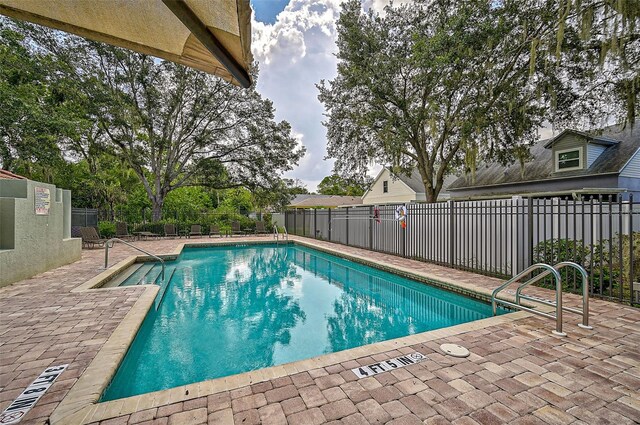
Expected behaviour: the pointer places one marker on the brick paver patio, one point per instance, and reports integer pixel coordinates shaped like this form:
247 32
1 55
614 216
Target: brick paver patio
518 373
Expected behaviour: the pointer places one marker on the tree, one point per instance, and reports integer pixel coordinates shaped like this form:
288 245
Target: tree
279 197
337 185
172 125
36 115
296 187
189 128
440 85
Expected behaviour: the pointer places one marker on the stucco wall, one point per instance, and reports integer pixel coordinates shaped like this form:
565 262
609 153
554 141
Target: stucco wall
398 191
30 243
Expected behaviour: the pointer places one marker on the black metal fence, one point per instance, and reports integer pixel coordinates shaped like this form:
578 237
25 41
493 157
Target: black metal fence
83 217
497 237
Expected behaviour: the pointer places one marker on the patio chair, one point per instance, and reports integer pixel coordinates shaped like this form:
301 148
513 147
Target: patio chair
122 231
170 231
214 230
235 228
91 238
196 230
260 229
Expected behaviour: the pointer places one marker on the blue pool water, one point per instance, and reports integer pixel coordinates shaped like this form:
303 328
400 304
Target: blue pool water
229 310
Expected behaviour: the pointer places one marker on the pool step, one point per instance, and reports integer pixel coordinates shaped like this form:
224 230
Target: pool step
117 281
138 275
163 286
153 275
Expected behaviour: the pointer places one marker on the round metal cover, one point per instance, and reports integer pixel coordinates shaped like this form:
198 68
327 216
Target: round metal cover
455 350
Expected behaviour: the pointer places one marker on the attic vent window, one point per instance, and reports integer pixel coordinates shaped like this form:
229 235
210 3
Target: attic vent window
385 186
570 159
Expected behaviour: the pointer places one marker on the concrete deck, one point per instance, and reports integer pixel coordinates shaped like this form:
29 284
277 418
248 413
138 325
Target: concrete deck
517 373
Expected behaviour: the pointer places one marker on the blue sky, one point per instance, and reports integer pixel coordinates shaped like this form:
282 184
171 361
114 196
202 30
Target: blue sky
294 43
267 10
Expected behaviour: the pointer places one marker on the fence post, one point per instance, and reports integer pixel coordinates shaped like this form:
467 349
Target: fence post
452 232
295 221
346 219
403 237
371 220
631 259
515 223
304 222
329 215
530 230
315 223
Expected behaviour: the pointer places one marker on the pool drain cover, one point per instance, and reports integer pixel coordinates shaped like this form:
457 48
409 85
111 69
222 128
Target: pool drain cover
455 350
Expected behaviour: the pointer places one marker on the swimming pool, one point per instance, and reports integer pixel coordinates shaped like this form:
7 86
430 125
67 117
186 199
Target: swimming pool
235 309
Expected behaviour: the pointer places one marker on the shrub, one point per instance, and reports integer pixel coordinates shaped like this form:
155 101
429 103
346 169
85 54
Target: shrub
554 251
606 277
106 229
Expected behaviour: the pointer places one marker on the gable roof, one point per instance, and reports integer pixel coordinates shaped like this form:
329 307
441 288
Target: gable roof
310 200
7 175
414 181
611 161
596 139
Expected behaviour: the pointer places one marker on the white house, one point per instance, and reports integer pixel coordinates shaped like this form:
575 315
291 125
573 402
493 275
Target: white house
388 188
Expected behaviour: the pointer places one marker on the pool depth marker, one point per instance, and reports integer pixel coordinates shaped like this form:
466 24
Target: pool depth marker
388 365
30 396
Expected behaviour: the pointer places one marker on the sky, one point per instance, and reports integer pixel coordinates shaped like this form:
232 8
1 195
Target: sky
294 43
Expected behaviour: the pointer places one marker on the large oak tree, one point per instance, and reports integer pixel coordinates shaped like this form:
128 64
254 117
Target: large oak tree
172 125
441 85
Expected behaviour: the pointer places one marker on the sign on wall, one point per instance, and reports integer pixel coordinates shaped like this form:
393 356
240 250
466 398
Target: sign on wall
42 200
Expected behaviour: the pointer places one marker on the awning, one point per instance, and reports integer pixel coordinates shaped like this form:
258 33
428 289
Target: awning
210 35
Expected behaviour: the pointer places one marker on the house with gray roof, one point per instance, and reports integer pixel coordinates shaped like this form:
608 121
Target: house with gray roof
310 200
572 164
390 188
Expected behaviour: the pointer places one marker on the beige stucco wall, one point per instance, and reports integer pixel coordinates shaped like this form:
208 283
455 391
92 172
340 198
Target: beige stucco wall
398 192
30 243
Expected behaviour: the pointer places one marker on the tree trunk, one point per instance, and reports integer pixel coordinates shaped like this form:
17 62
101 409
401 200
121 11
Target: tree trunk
156 214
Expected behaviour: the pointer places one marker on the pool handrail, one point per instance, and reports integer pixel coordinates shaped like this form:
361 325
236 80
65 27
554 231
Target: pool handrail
585 292
558 305
112 243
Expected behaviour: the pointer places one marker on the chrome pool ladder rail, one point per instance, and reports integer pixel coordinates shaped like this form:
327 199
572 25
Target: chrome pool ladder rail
558 304
585 291
276 233
112 242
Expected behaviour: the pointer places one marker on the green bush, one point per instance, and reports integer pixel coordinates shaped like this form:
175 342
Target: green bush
106 229
554 251
606 277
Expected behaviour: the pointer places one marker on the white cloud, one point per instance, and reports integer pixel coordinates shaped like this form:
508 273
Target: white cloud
295 53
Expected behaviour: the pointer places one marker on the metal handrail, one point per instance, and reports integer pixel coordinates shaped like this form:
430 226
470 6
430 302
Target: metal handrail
516 278
276 235
106 253
585 291
286 234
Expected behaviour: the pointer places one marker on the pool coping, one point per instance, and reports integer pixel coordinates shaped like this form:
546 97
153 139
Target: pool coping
81 405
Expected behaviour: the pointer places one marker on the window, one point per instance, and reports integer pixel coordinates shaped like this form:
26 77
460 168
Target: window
385 186
570 159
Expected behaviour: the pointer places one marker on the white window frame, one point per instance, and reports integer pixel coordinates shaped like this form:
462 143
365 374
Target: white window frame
385 189
580 159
